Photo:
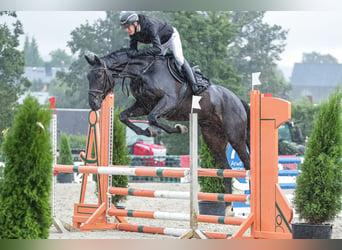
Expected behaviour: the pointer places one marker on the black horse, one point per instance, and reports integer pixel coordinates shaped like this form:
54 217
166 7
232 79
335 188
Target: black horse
223 117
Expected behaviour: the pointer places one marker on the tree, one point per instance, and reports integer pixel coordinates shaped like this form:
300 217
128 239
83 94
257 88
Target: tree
315 57
101 38
25 209
32 56
209 184
12 82
58 89
206 45
304 113
319 185
59 58
65 158
256 48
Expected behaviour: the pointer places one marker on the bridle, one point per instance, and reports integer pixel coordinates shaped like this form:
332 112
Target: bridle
108 83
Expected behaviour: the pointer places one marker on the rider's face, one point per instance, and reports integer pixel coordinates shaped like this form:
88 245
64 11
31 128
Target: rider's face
131 29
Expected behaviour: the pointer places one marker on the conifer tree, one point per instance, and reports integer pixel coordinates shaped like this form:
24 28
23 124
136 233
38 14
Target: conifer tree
25 211
12 81
319 185
120 154
209 184
65 158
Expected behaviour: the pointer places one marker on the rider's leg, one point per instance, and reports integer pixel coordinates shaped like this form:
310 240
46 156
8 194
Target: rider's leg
176 47
189 76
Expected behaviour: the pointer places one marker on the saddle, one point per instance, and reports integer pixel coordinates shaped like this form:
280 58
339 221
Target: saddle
178 75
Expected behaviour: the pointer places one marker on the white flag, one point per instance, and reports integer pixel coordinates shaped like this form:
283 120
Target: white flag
195 102
255 78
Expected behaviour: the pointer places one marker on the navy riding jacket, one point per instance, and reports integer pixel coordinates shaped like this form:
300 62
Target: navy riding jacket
153 32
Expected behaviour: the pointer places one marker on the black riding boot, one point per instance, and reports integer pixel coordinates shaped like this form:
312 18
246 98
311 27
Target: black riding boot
189 76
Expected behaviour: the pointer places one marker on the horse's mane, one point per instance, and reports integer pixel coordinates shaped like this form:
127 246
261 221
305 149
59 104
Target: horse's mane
124 50
114 53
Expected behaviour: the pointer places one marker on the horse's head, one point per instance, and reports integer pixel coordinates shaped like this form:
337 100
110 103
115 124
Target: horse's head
101 82
103 70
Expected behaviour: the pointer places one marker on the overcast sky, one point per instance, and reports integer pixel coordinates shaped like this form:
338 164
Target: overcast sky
308 31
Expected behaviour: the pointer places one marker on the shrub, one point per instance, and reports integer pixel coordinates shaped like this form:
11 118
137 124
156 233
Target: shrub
65 158
209 184
25 211
319 185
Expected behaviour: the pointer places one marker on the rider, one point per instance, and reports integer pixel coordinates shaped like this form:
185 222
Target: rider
162 36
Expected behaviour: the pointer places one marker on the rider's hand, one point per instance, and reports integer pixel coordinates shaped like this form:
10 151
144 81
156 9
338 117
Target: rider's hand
132 53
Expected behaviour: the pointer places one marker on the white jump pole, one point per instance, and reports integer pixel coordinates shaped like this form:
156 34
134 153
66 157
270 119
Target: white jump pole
193 172
53 128
194 232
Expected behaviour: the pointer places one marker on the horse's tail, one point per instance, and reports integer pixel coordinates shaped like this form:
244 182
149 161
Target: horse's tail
247 108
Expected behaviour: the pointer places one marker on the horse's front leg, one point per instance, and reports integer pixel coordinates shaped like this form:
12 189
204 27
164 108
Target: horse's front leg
164 106
136 110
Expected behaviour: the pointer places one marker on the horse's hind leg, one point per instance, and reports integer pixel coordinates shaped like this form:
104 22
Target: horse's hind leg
164 106
134 111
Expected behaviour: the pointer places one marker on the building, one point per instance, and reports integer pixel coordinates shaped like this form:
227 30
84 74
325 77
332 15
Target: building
45 75
42 97
315 80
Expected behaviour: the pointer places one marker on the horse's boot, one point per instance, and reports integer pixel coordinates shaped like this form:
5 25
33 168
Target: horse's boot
190 78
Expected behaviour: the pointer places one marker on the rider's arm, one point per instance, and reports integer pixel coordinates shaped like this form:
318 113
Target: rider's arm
133 44
156 48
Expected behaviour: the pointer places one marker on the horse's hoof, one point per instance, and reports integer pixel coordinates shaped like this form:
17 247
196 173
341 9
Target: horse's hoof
183 129
229 211
152 132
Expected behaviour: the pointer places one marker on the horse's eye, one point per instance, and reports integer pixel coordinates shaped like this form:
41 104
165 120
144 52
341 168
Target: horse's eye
98 74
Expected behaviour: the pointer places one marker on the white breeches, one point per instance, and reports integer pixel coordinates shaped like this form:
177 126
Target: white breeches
175 44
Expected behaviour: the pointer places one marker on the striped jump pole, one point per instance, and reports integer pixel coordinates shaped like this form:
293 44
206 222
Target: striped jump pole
146 171
163 231
118 170
178 195
226 173
175 216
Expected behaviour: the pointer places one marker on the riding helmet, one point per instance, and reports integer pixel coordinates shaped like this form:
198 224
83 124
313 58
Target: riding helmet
127 18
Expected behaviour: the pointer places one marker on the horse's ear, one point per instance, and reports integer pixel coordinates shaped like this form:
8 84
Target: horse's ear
97 60
89 60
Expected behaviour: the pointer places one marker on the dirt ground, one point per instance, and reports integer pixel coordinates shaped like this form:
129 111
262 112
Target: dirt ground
68 193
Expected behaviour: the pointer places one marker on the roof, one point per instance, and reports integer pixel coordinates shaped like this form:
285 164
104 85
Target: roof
316 74
44 74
